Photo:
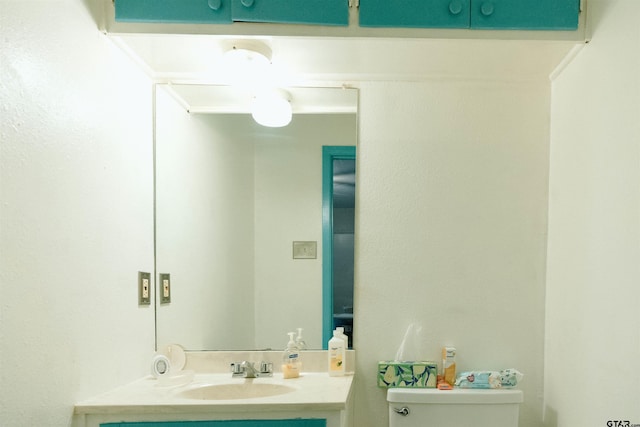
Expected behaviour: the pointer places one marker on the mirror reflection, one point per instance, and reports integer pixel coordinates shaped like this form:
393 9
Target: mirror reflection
231 198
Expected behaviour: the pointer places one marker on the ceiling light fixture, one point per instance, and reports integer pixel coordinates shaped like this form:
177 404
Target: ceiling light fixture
249 53
272 108
247 62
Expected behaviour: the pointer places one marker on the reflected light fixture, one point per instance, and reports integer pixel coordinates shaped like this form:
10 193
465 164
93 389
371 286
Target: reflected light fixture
272 108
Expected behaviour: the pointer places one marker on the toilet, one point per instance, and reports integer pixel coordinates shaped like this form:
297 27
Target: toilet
428 407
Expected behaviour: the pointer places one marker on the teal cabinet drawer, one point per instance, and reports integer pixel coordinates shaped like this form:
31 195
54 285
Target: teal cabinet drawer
525 14
321 12
229 423
476 14
415 13
174 11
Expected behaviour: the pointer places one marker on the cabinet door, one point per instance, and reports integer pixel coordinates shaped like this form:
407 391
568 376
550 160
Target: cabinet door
321 12
415 13
174 11
525 14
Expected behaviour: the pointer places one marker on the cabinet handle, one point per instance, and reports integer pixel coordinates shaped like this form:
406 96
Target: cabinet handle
455 7
486 8
215 4
247 3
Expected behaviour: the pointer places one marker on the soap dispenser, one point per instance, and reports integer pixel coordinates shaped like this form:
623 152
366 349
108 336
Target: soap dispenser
291 359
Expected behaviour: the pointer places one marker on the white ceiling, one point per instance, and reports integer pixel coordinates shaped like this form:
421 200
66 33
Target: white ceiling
336 62
300 59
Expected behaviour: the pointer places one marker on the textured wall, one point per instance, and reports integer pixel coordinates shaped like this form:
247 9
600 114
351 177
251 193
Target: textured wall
451 228
593 277
75 213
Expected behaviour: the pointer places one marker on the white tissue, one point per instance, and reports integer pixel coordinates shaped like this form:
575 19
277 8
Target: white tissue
413 346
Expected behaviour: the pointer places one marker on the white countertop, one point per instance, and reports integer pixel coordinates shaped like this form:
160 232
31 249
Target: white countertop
313 391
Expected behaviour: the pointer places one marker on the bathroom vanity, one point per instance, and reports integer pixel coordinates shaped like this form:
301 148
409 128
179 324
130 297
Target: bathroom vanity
216 399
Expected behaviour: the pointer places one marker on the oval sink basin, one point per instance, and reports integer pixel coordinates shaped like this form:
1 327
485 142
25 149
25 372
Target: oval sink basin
249 390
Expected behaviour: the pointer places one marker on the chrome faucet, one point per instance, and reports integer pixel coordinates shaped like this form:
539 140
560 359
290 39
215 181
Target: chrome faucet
246 369
249 370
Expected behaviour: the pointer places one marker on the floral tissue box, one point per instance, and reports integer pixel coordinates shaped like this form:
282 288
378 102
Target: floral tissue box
407 374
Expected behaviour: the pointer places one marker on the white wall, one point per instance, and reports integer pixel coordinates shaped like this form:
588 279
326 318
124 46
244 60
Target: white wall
75 213
451 212
592 352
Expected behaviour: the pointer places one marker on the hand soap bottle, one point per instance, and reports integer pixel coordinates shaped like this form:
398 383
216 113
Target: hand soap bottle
291 359
337 353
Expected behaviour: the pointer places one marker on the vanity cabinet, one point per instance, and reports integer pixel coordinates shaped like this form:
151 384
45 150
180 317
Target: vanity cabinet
315 399
229 423
475 14
316 12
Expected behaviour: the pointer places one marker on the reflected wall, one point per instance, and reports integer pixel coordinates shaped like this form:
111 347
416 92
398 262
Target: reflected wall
231 197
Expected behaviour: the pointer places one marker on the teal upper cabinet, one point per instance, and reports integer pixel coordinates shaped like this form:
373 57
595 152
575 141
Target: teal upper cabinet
415 13
320 12
317 12
525 14
476 14
174 11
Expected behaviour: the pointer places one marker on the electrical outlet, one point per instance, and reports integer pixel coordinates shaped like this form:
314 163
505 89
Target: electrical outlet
165 288
144 288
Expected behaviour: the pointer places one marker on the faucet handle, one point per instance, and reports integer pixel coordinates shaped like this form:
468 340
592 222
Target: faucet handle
266 367
236 368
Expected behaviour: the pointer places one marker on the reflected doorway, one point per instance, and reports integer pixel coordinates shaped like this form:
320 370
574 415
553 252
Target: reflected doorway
338 226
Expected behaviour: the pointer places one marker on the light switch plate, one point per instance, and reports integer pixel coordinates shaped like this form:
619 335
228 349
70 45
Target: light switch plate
165 288
305 250
144 288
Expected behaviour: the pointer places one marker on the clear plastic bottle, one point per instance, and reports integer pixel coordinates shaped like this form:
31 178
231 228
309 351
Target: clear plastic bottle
291 359
336 353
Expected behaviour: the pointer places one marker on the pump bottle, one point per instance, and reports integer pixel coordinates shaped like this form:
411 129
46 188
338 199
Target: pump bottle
291 359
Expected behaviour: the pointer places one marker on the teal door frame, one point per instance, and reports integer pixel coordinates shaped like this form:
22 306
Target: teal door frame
329 154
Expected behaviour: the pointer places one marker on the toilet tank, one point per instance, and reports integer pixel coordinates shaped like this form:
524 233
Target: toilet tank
453 408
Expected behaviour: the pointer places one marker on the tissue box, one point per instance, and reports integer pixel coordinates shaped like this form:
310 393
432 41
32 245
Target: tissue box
407 374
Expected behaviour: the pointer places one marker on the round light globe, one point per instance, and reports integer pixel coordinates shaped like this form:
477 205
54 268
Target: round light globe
272 109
